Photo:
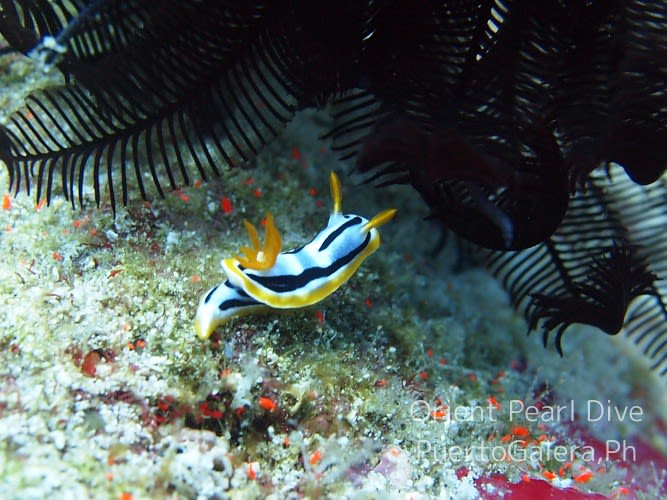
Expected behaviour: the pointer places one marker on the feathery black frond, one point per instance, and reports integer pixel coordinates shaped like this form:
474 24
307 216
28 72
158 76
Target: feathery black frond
611 283
605 266
503 115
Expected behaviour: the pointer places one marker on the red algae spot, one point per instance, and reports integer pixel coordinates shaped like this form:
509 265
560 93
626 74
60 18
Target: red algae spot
6 202
315 457
296 154
584 477
319 315
368 302
252 474
57 256
461 472
549 475
313 192
528 489
90 362
257 192
226 205
267 404
197 183
249 181
210 412
520 431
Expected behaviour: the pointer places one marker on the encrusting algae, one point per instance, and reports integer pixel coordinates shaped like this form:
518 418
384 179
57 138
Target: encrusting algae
104 391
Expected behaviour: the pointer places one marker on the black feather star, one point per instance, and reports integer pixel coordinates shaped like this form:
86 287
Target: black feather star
612 283
507 117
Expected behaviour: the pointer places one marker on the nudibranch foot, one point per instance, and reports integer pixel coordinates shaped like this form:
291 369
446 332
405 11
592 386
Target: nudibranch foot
267 278
220 304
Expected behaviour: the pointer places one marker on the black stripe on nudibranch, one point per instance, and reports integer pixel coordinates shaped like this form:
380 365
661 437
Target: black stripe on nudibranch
210 294
286 283
231 303
335 234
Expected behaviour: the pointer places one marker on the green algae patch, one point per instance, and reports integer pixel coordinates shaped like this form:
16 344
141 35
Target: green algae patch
105 389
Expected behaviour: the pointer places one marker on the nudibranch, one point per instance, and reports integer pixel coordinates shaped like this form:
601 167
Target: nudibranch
265 278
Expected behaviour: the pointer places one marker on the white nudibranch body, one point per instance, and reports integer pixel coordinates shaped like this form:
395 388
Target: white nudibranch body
269 279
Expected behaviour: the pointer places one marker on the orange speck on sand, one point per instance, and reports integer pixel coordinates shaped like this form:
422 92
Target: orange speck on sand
6 202
40 204
494 402
257 192
549 475
57 256
520 431
584 477
195 278
114 272
622 490
125 496
184 197
525 478
439 413
249 181
226 205
267 404
252 474
424 375
315 457
506 438
429 353
197 183
381 383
